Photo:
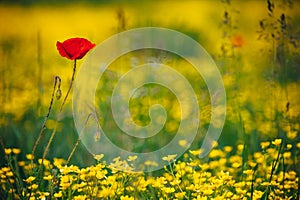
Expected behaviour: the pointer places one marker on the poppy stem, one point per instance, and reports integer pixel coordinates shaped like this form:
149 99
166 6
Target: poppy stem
60 110
70 87
57 80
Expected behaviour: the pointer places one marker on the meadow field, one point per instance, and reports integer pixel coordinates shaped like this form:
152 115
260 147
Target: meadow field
255 45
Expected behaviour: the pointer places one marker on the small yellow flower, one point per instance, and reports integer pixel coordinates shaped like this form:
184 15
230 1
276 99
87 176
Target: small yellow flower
16 151
180 195
289 146
168 158
58 162
287 154
298 145
33 186
236 165
229 194
80 197
248 172
168 189
5 169
29 156
196 152
214 143
216 153
277 142
48 178
11 191
240 147
7 151
208 191
44 161
126 198
182 143
228 149
150 163
58 195
44 195
291 134
98 157
10 173
132 158
264 144
30 179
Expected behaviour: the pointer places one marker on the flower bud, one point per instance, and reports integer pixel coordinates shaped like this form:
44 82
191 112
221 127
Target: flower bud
58 93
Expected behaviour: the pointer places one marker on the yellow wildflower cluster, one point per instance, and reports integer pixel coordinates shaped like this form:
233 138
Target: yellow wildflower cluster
226 173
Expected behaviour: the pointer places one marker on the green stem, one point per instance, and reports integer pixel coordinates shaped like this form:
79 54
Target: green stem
70 87
60 110
57 80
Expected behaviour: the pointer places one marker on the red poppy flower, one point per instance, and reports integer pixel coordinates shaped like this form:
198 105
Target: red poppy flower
74 48
237 41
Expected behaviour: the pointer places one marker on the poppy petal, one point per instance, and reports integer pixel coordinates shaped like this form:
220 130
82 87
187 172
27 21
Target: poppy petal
74 48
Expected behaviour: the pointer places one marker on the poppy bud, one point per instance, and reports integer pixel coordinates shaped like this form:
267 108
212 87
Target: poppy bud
97 136
58 93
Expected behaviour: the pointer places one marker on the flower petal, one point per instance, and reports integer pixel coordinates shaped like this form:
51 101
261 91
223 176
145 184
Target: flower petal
74 48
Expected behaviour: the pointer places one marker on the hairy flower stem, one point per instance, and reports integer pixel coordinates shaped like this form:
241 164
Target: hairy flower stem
70 87
79 136
57 81
59 113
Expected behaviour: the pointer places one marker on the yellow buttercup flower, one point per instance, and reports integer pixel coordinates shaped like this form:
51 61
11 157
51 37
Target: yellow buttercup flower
126 197
48 178
58 195
169 157
16 151
29 156
44 161
182 143
168 189
80 197
132 158
208 191
291 134
248 172
21 163
264 144
150 163
196 152
30 179
7 151
33 186
10 173
180 195
98 157
287 154
228 149
277 142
